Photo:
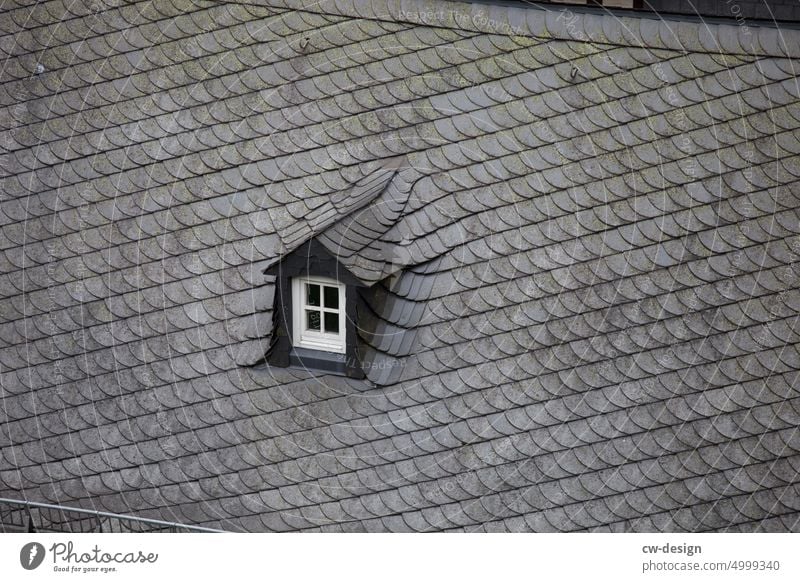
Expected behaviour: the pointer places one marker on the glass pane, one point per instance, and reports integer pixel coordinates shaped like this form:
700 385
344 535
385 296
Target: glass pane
332 322
331 297
312 320
312 294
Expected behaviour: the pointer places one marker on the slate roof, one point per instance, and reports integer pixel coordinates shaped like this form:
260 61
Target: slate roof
585 227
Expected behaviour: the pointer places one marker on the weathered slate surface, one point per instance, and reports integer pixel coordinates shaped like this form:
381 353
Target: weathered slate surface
592 235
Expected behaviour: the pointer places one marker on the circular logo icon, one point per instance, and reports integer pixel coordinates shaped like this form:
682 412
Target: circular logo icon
31 555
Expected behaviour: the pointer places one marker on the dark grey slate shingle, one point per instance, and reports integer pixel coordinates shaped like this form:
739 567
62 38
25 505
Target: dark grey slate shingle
581 235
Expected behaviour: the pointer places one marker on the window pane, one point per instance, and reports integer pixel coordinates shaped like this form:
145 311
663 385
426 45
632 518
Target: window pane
332 322
312 320
331 297
312 294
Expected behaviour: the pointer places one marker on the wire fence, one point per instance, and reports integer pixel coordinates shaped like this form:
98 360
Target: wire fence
28 516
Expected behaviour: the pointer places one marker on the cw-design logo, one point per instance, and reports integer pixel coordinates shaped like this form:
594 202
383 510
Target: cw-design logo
31 555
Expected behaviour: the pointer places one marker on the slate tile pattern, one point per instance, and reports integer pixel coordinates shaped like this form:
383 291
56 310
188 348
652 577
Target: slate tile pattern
583 234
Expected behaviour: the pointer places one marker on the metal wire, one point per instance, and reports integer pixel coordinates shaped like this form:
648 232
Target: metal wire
18 514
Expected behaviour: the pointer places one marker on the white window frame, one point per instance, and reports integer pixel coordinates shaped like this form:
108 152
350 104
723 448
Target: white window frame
311 339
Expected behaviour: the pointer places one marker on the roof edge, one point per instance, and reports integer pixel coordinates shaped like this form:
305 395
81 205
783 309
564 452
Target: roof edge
567 22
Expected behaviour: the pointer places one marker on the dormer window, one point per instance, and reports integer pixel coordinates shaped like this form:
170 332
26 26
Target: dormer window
315 313
319 314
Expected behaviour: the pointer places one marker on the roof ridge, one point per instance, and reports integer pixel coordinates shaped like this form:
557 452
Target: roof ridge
563 23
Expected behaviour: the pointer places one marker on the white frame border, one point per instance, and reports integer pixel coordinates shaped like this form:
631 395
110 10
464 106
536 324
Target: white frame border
312 340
